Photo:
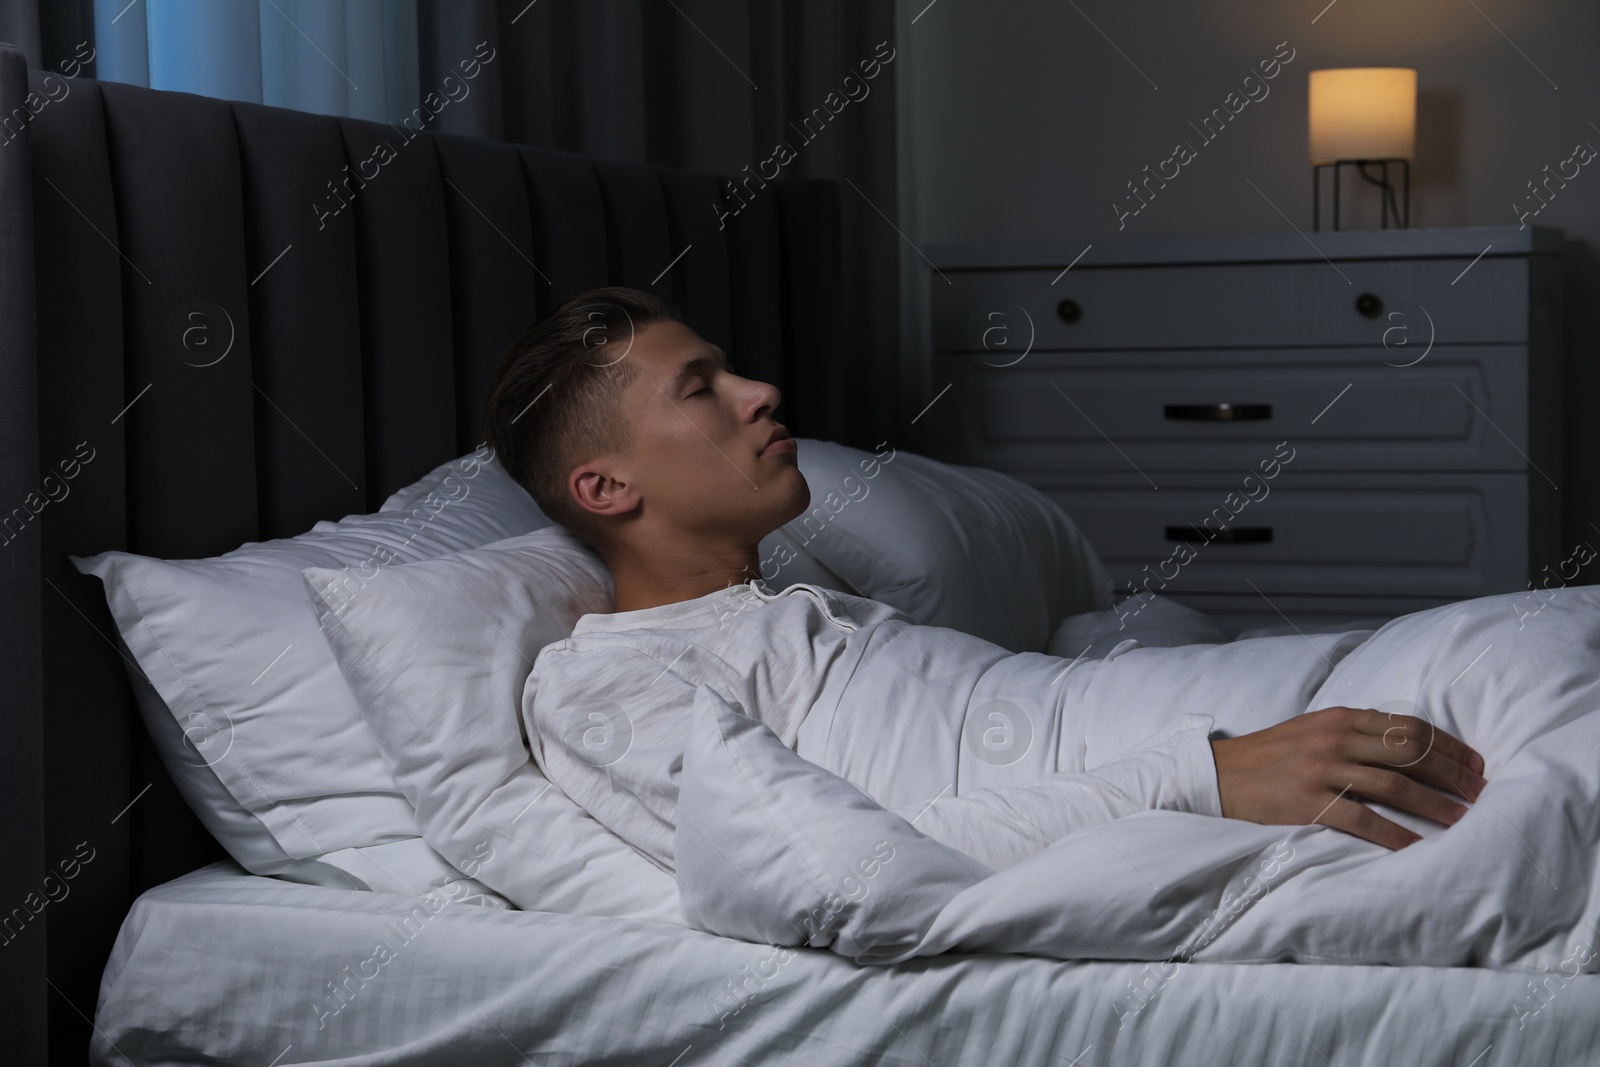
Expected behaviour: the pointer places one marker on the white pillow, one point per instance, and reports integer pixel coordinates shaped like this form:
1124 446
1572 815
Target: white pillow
247 707
764 851
962 547
438 654
1154 621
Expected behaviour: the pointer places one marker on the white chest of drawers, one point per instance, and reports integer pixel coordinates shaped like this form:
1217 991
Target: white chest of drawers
1314 427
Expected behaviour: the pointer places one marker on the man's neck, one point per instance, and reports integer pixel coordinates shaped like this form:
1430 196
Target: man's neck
647 581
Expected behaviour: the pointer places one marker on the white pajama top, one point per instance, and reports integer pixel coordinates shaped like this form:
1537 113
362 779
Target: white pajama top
971 742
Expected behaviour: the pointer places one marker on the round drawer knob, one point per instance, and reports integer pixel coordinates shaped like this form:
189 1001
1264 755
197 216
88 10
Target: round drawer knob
1369 305
1069 310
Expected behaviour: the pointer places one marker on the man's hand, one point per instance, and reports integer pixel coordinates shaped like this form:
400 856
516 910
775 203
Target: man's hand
1312 769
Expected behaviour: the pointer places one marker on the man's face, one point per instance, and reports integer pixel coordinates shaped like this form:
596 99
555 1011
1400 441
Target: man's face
700 459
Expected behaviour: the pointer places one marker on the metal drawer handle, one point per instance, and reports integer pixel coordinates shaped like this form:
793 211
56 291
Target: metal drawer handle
1228 535
1069 310
1219 412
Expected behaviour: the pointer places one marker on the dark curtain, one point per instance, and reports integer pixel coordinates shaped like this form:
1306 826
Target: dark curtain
714 86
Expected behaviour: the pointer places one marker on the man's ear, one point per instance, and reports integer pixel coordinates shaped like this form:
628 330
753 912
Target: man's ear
599 491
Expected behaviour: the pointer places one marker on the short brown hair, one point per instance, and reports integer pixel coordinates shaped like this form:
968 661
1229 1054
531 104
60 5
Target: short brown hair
556 396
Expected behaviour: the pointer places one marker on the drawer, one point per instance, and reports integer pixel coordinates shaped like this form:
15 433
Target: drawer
1304 532
1461 408
1232 305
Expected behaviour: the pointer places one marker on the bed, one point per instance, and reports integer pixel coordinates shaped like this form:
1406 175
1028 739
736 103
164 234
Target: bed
145 238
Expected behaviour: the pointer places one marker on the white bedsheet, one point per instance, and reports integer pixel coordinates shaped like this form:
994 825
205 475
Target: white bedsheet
221 967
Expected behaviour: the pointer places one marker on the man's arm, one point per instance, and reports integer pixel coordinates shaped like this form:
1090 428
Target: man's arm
1004 825
1313 768
606 725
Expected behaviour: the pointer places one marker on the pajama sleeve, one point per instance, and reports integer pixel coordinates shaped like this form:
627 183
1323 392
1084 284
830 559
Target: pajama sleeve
1004 825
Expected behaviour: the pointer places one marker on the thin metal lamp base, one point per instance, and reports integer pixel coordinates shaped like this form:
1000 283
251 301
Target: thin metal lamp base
1400 211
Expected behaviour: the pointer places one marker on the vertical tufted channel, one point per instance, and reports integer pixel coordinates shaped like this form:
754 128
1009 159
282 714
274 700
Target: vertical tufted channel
808 211
393 186
755 297
190 431
306 330
493 276
700 275
638 242
569 224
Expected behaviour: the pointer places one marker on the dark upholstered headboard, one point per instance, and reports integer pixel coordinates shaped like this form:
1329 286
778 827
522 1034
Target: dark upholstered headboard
249 319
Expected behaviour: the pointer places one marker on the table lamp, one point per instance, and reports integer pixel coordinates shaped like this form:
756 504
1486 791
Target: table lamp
1363 116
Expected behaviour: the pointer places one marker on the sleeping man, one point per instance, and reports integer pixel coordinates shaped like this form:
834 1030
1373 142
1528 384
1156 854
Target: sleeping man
637 436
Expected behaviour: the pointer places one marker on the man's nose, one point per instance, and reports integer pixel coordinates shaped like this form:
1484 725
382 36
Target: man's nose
765 397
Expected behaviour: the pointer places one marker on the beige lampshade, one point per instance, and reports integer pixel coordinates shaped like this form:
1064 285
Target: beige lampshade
1363 113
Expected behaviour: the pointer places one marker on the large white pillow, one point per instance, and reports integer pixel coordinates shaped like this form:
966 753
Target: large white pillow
247 707
962 547
438 654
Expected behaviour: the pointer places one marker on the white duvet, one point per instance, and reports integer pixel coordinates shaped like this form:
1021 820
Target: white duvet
772 848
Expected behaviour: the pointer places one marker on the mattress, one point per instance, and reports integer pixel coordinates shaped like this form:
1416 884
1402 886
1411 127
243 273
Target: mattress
224 967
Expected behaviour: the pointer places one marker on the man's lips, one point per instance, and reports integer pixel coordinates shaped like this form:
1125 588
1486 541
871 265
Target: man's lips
782 444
